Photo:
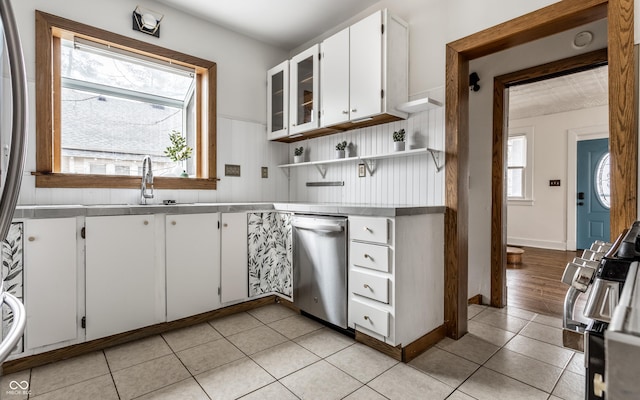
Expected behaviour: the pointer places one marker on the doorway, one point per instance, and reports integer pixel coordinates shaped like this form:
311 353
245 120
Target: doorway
541 23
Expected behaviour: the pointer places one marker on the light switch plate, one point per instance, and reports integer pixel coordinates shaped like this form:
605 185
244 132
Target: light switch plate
231 170
265 172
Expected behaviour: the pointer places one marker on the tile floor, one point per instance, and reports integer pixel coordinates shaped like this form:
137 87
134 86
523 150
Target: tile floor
274 353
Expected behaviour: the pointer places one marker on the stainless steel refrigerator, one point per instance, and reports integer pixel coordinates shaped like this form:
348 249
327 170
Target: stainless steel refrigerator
15 165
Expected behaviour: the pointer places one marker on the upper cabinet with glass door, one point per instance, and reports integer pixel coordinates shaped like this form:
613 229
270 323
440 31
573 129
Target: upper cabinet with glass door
304 98
278 101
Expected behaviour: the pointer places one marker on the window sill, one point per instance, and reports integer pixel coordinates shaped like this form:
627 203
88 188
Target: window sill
520 202
59 180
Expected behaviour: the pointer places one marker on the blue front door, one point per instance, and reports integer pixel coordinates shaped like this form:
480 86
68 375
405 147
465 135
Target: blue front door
592 195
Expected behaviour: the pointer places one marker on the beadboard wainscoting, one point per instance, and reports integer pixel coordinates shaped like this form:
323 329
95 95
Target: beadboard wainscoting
239 142
401 180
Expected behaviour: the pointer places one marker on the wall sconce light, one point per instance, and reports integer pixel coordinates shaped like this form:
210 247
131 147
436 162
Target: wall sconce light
147 21
473 81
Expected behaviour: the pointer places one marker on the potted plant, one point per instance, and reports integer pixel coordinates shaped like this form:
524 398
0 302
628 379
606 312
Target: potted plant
398 140
340 149
178 151
298 156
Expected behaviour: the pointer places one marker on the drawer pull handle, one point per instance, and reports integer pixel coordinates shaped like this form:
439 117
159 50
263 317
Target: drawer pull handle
366 318
345 111
367 229
367 287
32 238
368 256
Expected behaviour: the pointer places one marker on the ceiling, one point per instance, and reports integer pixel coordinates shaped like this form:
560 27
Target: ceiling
282 23
566 93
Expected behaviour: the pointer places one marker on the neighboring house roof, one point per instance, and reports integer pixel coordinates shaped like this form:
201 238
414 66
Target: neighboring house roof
94 125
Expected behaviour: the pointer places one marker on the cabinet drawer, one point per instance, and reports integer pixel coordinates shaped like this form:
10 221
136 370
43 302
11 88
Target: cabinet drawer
371 318
371 286
369 229
370 256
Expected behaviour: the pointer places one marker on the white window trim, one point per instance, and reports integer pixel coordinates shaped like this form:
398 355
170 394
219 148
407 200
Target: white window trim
527 199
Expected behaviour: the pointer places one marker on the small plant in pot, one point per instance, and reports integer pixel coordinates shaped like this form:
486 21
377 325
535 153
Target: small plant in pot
398 140
340 149
298 156
179 152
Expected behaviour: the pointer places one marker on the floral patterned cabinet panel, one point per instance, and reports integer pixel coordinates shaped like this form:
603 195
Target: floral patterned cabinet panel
270 257
12 273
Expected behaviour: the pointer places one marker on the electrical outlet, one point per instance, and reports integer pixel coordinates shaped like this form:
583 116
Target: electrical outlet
362 171
554 182
231 170
265 172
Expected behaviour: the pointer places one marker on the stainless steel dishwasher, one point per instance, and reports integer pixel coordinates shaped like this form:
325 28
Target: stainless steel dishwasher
320 267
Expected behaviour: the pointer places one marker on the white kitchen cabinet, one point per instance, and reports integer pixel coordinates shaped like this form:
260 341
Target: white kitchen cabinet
365 71
234 273
125 285
193 264
396 276
303 96
51 291
278 101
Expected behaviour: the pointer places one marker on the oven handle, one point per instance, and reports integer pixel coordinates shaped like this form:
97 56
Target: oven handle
318 227
19 321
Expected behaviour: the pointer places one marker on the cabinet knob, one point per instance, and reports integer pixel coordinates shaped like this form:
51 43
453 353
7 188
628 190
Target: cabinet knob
367 286
146 222
173 222
345 111
354 110
225 225
32 238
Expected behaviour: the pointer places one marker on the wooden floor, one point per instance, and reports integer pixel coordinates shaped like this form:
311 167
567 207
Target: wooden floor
535 284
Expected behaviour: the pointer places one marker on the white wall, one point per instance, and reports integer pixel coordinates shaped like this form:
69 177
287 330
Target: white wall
408 180
544 224
242 64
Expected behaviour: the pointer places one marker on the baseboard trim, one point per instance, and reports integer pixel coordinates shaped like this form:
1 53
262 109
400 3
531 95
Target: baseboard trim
391 351
410 351
477 299
37 360
541 244
419 346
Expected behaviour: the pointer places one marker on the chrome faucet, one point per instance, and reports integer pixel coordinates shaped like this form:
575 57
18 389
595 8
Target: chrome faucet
147 179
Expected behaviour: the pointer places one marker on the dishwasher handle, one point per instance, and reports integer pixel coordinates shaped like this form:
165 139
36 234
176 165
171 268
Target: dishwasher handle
318 227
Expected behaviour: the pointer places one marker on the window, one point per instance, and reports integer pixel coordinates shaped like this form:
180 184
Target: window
603 181
520 164
112 100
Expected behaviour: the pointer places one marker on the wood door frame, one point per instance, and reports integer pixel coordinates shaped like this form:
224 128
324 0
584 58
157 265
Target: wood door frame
558 17
500 135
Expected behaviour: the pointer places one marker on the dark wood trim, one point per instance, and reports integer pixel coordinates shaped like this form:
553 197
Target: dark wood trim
99 344
477 299
546 21
422 344
49 30
623 118
391 351
60 180
499 154
456 223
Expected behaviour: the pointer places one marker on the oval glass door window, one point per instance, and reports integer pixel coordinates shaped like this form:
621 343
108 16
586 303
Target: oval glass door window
602 181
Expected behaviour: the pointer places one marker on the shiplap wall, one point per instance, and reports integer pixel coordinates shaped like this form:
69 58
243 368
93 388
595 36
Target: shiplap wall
409 180
239 142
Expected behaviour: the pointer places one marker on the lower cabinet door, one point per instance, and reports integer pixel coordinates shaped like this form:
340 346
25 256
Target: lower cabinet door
50 281
234 272
193 264
124 285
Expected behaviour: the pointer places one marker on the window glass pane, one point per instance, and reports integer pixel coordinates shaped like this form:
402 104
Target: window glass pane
517 151
603 182
112 131
515 182
111 69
